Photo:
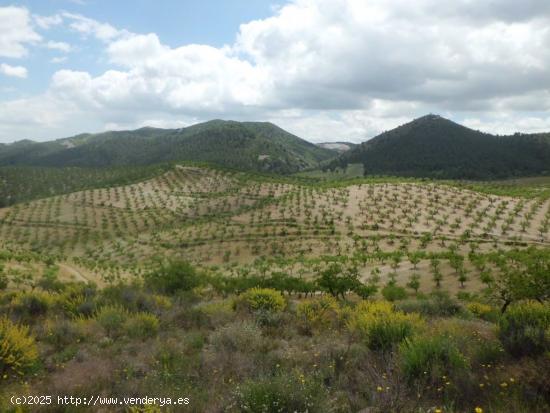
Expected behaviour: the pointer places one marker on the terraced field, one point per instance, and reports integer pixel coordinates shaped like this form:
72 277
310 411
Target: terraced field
219 219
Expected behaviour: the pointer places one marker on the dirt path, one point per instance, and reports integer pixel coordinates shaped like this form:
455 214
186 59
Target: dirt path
75 273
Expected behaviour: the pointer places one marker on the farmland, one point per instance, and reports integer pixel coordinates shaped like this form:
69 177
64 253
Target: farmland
193 265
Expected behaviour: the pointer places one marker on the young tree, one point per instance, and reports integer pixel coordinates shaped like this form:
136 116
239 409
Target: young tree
414 282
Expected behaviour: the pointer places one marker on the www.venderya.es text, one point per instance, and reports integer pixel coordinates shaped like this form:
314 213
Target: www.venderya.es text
95 400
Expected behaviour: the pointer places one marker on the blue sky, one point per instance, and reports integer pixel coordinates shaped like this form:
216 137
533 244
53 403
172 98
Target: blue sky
326 70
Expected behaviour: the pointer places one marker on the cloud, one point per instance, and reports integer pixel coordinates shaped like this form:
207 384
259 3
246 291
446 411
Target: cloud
16 32
59 59
46 22
330 69
13 71
90 27
61 46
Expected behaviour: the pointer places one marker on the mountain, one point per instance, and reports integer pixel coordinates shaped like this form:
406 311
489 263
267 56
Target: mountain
432 146
257 146
339 147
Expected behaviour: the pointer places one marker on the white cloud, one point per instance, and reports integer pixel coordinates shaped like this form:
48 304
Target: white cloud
61 46
330 69
59 59
46 22
16 32
90 27
13 71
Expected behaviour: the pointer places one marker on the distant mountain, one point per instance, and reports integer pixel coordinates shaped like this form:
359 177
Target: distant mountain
432 146
242 145
339 147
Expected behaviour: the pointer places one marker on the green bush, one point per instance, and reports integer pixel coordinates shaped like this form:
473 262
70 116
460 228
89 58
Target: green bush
3 281
435 305
112 318
282 393
261 300
61 332
430 357
380 326
18 352
173 277
394 292
524 329
142 325
31 304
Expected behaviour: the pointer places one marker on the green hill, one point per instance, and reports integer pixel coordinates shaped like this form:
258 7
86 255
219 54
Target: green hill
434 147
245 146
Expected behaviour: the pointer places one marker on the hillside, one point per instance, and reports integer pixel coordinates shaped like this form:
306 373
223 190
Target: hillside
245 146
432 146
231 288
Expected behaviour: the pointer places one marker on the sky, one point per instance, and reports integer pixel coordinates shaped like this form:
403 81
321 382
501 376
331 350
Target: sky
325 70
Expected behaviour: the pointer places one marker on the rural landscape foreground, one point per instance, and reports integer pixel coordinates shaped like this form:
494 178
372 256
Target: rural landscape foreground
236 267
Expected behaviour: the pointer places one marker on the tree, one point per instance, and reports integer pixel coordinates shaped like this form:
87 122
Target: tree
172 277
414 259
414 282
522 275
337 280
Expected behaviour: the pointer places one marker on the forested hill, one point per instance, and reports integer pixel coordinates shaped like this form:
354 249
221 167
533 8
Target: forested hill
255 146
432 146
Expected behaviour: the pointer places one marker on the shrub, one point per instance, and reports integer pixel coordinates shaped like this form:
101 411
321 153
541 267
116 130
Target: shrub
318 313
525 329
431 357
261 299
142 325
112 318
173 277
488 351
238 336
435 305
483 311
77 301
393 292
61 333
289 393
18 351
31 304
3 281
218 312
380 326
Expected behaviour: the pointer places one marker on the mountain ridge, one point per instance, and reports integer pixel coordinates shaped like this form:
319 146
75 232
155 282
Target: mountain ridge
257 146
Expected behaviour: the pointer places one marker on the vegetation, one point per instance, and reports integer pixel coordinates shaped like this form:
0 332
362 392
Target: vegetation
245 146
435 147
251 292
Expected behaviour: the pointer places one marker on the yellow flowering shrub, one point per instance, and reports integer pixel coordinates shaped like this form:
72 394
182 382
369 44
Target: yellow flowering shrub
18 350
261 299
524 329
479 309
318 312
162 302
380 326
142 325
